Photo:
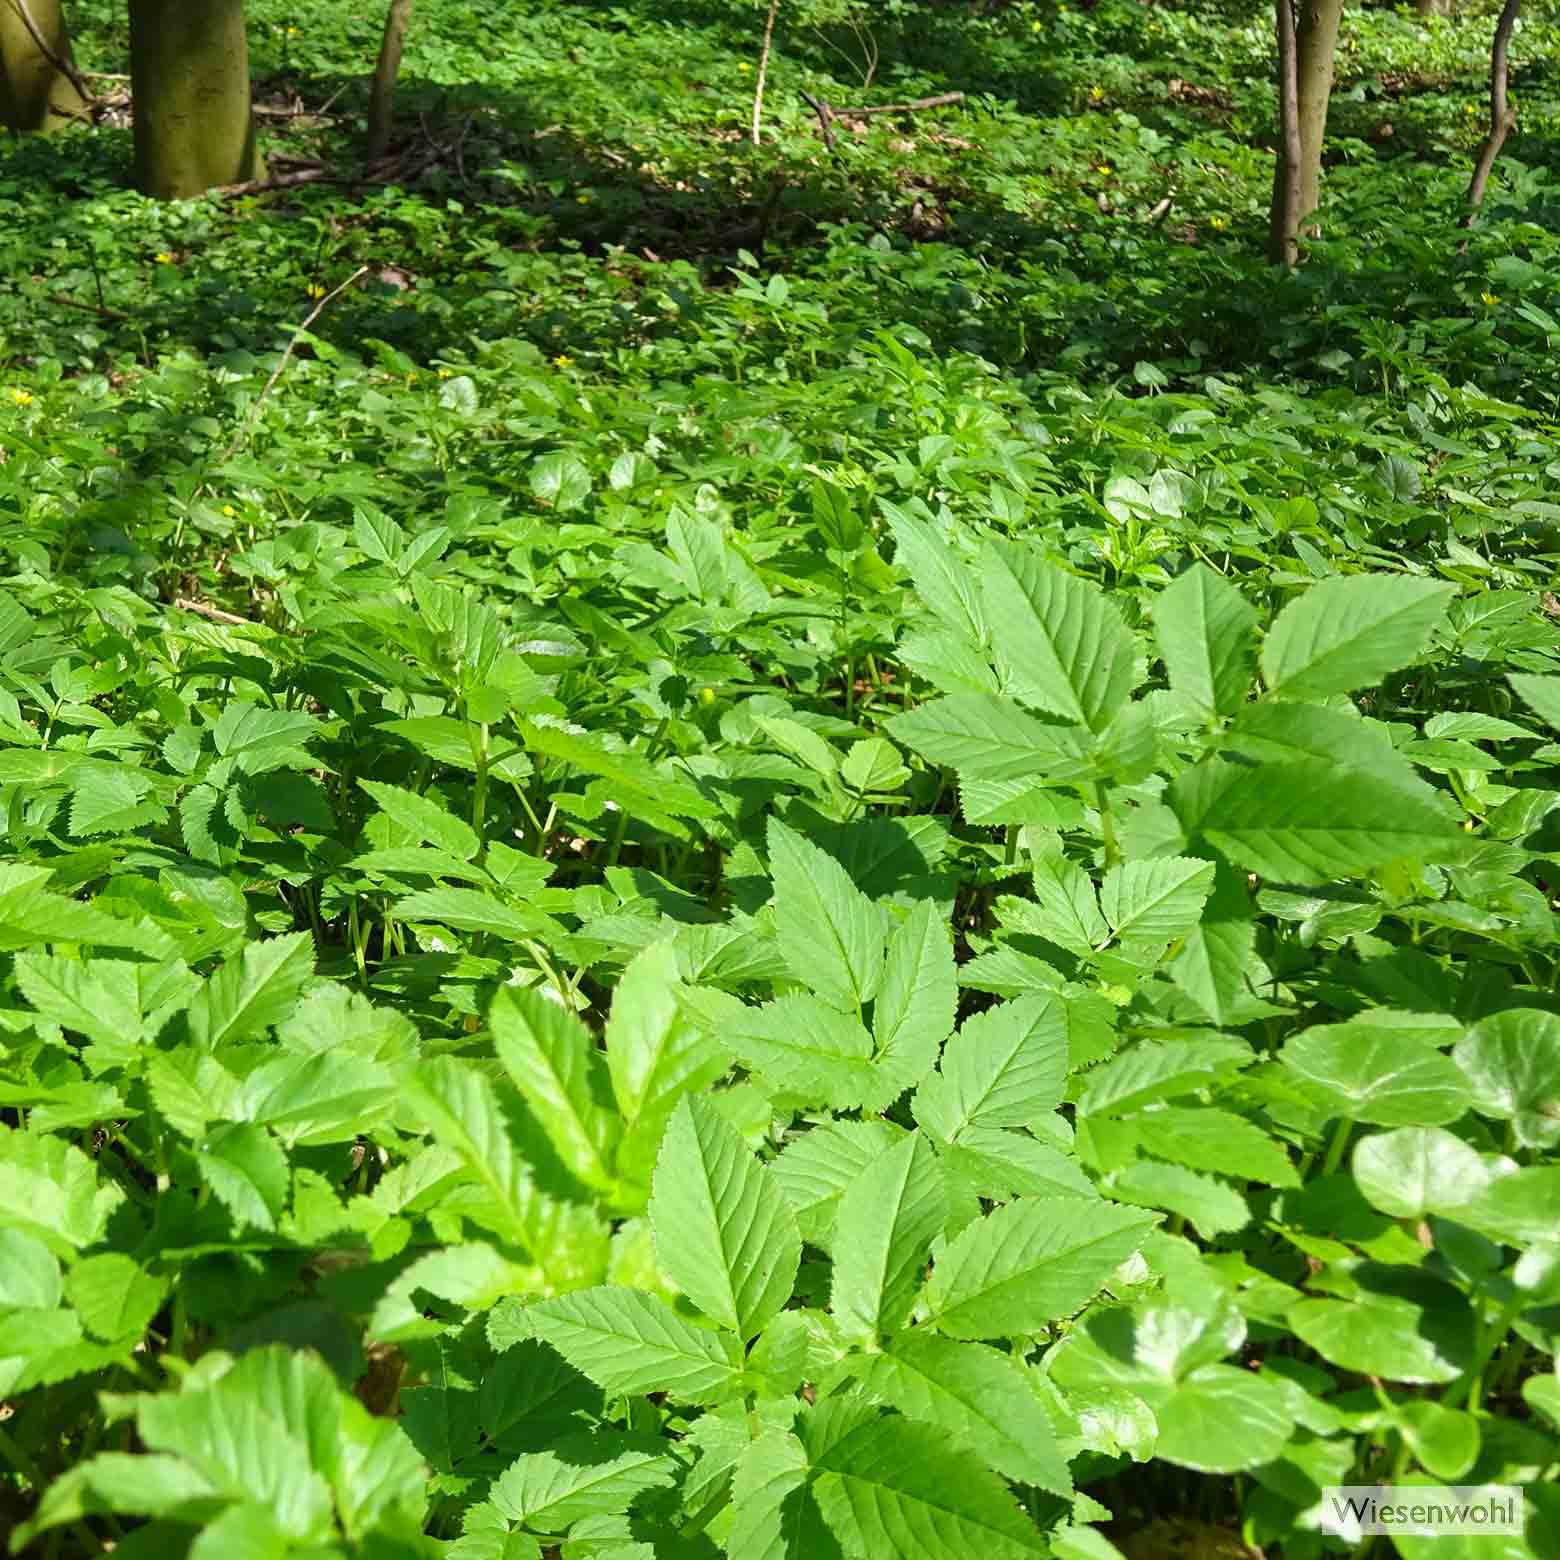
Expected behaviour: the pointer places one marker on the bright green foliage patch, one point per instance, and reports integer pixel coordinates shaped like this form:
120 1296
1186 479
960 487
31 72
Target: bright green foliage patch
876 884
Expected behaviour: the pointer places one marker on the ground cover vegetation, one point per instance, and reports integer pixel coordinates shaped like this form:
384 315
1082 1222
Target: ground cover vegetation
840 844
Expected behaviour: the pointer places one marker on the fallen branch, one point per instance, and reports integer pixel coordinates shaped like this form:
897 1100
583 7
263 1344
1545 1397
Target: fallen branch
206 610
939 101
92 308
276 373
825 114
280 181
763 68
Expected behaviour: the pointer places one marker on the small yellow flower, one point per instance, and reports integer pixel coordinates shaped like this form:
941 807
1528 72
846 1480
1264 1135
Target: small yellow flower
706 695
444 373
1035 27
1217 224
1489 299
563 360
292 32
1104 168
744 67
229 511
22 397
315 290
1471 108
411 376
1096 93
585 199
164 258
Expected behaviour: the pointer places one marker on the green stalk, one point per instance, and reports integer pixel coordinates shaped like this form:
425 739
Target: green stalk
1336 1146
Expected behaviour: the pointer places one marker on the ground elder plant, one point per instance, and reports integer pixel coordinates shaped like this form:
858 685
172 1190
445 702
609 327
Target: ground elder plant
815 852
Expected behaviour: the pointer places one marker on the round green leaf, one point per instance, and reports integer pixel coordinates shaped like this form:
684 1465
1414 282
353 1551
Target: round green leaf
1512 1063
1222 1420
1379 1075
1417 1170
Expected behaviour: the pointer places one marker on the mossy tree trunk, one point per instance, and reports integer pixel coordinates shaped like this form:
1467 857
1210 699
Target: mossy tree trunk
1297 182
381 100
37 90
189 76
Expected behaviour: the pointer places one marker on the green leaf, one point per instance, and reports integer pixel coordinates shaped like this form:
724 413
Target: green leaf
804 1048
628 1341
247 1172
1318 819
1212 1206
49 1189
1003 1068
555 1064
989 738
1029 1262
917 997
251 993
425 820
978 1395
1382 1076
1207 1138
1065 909
1206 633
1540 694
887 1220
1417 1170
579 1477
1518 1208
471 910
831 933
815 1169
1512 1063
1151 903
1445 1441
1223 1420
893 1489
1058 638
1158 1070
116 1004
772 1508
114 1295
942 577
560 480
329 1097
656 1053
1389 1335
29 1273
1350 632
724 1233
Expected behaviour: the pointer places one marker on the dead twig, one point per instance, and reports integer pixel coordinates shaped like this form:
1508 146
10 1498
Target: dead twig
281 181
763 68
825 114
939 101
276 373
92 308
206 610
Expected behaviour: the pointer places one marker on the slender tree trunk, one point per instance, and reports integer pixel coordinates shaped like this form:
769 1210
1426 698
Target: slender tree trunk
38 85
381 100
1297 190
1435 7
1502 116
189 76
1284 227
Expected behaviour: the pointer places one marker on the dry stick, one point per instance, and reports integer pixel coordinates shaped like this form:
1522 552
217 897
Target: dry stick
282 181
899 108
276 373
65 66
824 113
763 68
1502 118
1283 241
206 610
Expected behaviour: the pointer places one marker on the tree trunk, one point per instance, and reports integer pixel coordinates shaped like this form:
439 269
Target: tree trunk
1297 189
381 101
1435 7
189 76
1503 117
1284 223
38 85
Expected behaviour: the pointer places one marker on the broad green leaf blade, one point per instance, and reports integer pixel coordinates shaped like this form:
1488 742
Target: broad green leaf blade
978 1395
942 578
50 1189
1058 638
1029 1262
1350 631
1211 1206
1317 819
1206 632
114 1295
803 1048
1382 1076
1223 1420
989 738
770 1500
724 1233
1159 1070
424 819
894 1489
887 1221
831 933
1512 1061
918 997
562 1076
247 1172
115 1003
580 1477
1413 1171
1207 1138
630 1342
1422 1337
567 1240
252 992
815 1169
1003 1068
656 1053
1066 909
1151 903
1540 694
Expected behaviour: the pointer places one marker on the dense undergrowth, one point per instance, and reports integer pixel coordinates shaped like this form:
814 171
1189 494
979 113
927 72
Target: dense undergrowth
793 852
